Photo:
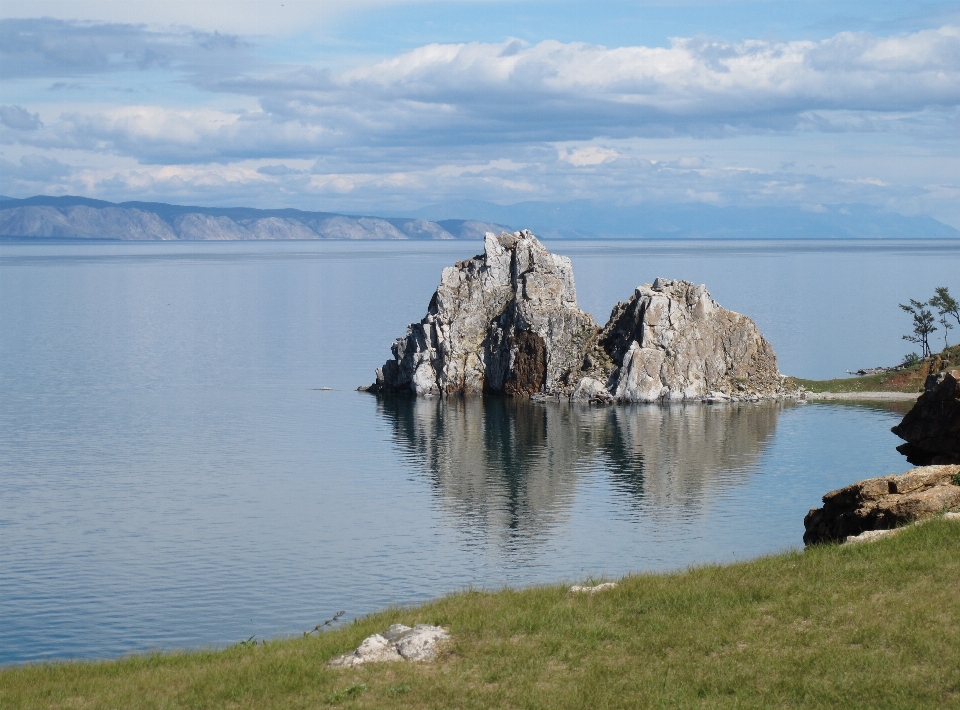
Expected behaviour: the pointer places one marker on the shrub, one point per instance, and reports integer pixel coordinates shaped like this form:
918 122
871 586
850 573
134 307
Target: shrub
911 359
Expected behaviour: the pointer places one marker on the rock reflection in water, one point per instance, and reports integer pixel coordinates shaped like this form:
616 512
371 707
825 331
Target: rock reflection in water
510 466
507 465
669 456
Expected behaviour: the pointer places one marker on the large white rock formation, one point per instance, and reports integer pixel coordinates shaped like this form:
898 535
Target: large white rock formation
507 322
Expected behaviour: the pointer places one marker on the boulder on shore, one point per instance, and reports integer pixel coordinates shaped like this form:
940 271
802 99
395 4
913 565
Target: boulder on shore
507 322
932 427
883 503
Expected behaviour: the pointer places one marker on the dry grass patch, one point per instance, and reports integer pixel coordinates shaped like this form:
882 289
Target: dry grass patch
870 626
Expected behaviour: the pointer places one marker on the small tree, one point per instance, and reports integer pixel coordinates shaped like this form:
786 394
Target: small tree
922 325
946 304
947 325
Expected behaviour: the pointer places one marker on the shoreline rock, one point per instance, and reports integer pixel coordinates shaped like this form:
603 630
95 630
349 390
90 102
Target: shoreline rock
883 503
932 428
507 322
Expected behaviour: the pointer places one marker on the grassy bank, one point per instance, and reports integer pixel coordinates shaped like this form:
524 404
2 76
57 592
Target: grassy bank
910 379
871 626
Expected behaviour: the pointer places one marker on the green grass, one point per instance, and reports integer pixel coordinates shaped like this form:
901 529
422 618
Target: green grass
868 626
910 379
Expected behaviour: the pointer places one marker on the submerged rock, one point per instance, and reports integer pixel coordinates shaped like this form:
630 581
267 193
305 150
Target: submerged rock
883 503
932 428
507 322
398 643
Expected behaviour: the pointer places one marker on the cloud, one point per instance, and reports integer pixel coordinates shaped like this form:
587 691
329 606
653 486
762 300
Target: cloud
279 170
573 91
158 135
450 96
46 47
504 121
18 118
591 155
34 168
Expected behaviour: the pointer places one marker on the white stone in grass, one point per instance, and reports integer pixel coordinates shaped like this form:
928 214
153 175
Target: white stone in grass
593 590
870 536
398 643
952 516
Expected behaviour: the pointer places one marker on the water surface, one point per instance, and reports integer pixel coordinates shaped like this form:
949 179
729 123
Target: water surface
170 475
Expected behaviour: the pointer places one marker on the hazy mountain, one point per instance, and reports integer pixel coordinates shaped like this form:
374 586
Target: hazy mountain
697 221
83 218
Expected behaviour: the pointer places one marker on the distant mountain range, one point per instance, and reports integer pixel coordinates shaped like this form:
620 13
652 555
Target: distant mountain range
695 220
84 218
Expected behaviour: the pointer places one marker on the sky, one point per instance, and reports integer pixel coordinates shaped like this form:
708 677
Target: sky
380 106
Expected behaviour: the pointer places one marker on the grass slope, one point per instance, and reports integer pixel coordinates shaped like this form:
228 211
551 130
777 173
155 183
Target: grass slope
910 379
869 626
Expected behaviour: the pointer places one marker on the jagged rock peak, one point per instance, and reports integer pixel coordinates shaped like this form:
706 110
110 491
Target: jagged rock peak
505 321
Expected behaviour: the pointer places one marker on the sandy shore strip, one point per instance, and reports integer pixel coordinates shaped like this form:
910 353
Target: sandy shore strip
904 396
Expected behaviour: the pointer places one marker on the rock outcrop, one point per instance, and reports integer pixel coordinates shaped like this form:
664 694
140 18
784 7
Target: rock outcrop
507 322
883 503
503 322
398 643
672 342
932 428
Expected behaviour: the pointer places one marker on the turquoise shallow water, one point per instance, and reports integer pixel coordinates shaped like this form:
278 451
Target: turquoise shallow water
171 477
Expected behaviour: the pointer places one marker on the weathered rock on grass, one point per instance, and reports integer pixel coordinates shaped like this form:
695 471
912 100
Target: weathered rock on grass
932 427
883 503
507 322
398 643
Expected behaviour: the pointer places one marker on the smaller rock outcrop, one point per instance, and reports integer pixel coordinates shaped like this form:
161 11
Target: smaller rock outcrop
932 428
672 342
883 503
398 643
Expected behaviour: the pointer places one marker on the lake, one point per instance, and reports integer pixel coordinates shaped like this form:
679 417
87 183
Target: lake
172 475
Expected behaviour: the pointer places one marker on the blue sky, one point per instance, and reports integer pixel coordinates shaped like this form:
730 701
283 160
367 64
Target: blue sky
372 106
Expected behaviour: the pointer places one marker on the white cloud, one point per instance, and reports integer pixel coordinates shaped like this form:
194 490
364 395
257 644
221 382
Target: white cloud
591 155
504 121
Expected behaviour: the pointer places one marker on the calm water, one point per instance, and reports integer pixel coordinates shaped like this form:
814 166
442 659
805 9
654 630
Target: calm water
171 477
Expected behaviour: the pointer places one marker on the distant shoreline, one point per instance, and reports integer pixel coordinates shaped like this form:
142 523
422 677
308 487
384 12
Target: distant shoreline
904 396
